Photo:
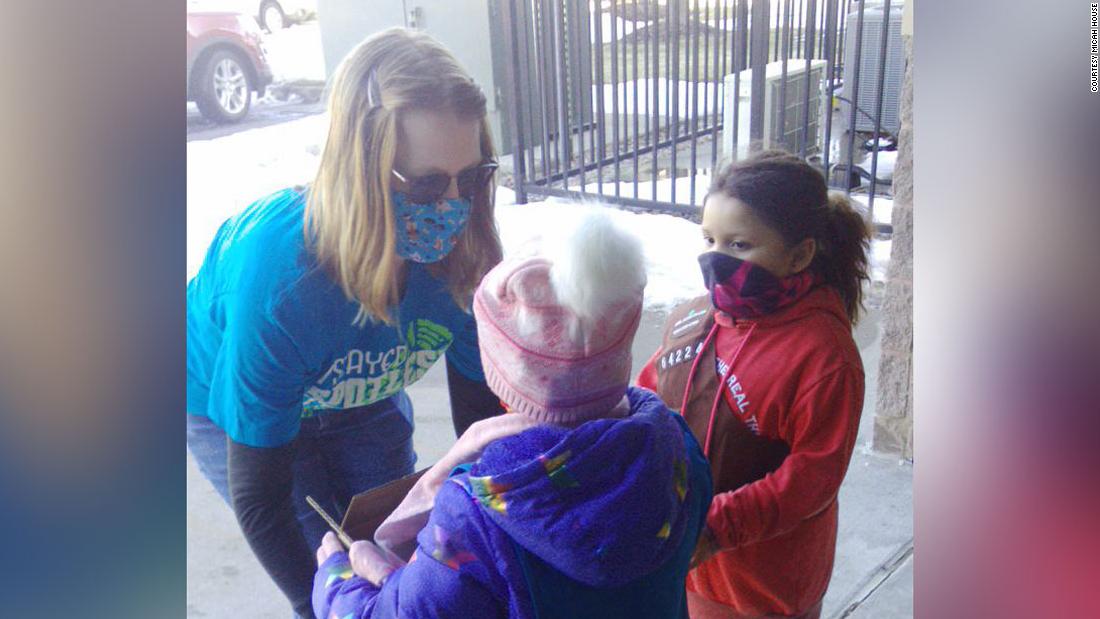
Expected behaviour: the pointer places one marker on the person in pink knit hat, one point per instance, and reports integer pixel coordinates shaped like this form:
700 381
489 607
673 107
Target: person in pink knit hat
585 501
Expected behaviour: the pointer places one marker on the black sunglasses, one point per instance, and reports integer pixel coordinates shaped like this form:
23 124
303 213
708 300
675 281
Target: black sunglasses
431 187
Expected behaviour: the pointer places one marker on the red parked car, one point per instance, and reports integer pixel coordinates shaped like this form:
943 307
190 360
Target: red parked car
226 63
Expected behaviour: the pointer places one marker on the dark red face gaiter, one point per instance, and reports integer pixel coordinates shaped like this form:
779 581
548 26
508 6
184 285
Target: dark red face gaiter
745 290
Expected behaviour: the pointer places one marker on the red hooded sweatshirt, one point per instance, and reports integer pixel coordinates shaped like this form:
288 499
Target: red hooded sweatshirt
794 375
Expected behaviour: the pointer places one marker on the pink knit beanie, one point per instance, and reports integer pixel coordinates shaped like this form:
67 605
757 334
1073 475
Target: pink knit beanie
556 331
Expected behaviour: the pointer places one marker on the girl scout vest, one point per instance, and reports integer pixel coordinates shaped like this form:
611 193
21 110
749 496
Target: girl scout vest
737 455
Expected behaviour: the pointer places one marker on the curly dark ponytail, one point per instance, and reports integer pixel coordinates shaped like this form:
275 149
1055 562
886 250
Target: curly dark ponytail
842 252
792 197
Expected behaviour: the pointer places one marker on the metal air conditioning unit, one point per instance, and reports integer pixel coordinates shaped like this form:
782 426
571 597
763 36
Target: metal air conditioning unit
789 136
869 64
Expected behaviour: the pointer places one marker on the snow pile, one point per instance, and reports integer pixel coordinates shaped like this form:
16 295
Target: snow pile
884 169
884 207
226 174
880 258
671 244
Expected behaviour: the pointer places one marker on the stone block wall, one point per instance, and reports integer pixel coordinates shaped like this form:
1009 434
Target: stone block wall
894 400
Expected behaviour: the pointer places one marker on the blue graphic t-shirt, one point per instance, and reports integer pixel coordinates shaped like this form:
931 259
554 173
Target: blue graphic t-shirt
271 339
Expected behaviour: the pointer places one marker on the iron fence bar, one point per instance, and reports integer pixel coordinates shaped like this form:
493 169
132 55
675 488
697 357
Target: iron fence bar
693 25
805 128
675 41
853 98
810 32
539 87
831 7
719 68
601 82
622 63
809 55
548 86
588 73
704 25
574 56
668 63
759 66
564 135
741 43
634 100
801 33
656 112
615 91
540 114
743 18
878 106
515 115
775 50
786 36
740 57
649 31
528 82
840 40
549 150
821 29
813 25
568 80
670 208
809 25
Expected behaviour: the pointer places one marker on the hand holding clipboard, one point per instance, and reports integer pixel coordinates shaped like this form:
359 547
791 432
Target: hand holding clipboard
366 512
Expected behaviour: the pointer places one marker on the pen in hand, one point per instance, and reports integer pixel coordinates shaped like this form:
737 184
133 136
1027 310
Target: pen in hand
345 539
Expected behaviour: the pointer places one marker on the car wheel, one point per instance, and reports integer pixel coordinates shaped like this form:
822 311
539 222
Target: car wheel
272 17
224 88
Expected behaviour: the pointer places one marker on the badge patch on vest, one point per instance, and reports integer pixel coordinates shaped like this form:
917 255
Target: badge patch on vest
692 319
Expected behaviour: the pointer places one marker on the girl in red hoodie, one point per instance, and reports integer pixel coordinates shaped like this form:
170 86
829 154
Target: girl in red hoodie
766 373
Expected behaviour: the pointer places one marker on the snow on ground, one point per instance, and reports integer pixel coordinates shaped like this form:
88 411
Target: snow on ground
884 169
884 207
295 53
880 258
226 174
671 243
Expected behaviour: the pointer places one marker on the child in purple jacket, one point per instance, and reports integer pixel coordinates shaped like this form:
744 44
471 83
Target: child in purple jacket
585 501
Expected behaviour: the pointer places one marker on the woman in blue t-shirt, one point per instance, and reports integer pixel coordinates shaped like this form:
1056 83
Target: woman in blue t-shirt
315 307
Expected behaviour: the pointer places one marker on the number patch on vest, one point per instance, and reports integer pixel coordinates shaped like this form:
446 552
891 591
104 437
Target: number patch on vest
680 355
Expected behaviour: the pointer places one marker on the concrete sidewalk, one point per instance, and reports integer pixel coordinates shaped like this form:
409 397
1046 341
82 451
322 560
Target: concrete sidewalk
872 577
873 573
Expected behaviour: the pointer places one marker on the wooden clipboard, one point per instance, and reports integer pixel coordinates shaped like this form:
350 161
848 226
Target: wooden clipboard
368 509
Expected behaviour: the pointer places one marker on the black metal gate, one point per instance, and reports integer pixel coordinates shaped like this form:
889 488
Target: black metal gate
626 100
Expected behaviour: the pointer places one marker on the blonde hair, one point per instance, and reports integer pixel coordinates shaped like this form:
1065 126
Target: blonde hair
349 213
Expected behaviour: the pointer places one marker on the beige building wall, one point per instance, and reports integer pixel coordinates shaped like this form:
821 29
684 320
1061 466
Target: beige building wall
894 400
